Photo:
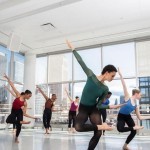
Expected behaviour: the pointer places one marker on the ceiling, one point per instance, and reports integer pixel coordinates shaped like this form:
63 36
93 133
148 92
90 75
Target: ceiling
84 22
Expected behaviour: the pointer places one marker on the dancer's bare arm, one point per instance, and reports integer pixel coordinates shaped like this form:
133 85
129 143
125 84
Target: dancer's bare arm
68 96
137 112
44 95
116 106
87 71
24 109
126 93
17 94
10 91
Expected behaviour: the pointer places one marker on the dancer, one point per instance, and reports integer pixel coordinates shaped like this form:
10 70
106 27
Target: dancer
72 112
103 111
48 109
18 109
93 89
124 115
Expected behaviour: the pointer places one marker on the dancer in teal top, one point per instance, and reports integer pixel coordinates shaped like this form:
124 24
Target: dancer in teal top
94 90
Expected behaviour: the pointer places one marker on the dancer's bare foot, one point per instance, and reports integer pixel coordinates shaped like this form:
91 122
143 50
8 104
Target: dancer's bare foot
69 130
73 130
16 140
104 126
137 127
14 131
125 147
47 131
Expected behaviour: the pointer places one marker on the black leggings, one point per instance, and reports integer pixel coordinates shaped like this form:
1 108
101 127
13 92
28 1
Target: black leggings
14 118
122 119
72 116
14 125
93 114
104 115
47 118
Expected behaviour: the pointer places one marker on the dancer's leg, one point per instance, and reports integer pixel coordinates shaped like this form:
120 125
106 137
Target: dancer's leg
82 117
45 121
95 119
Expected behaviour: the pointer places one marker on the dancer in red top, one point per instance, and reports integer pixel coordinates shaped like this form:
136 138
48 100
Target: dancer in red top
47 114
72 112
19 108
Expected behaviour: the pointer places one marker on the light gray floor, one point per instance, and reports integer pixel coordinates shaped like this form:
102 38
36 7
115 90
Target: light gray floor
62 140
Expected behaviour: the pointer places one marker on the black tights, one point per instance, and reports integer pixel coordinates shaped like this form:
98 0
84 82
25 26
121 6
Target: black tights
47 118
122 119
72 116
104 115
14 118
93 114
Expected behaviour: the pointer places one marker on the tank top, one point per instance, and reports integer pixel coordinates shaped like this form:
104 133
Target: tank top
48 104
73 107
106 102
17 103
127 108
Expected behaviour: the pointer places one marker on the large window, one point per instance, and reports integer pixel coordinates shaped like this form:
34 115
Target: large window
4 68
116 88
92 58
4 61
78 88
40 100
60 67
143 61
18 67
41 70
122 56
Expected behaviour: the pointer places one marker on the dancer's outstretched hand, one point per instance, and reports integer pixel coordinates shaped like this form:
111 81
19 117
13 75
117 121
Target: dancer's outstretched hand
119 72
5 76
70 45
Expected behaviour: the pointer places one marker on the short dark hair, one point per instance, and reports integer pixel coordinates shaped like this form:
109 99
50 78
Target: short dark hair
22 93
53 94
109 68
27 92
109 93
77 97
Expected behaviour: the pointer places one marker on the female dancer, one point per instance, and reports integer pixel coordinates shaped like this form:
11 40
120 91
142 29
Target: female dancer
93 93
72 111
124 113
48 109
18 109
